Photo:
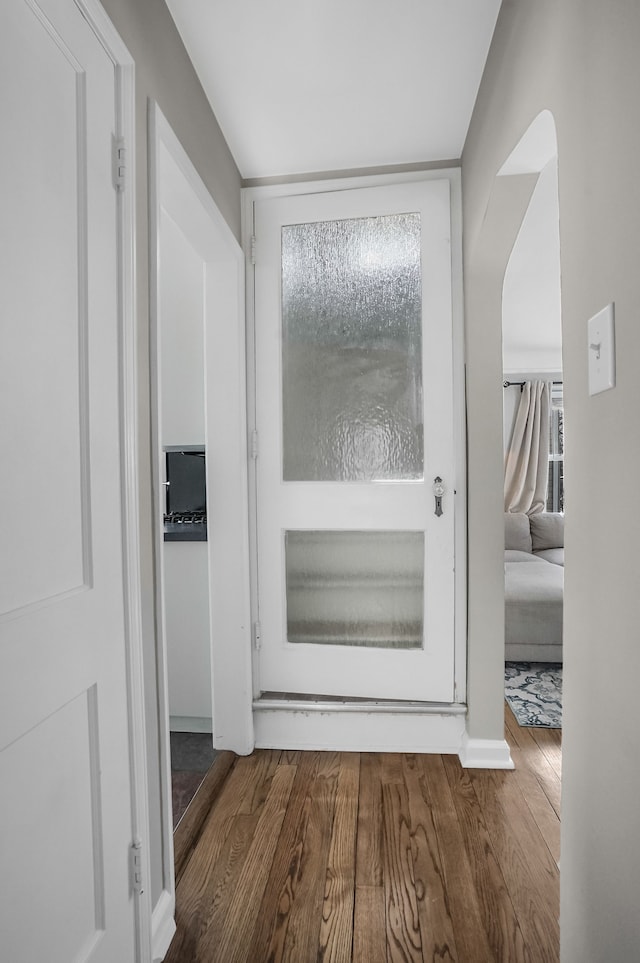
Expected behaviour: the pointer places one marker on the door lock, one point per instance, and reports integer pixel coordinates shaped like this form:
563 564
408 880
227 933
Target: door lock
438 491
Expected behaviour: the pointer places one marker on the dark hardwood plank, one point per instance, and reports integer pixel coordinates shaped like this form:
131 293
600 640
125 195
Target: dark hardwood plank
391 768
270 930
201 878
498 915
548 741
369 924
375 858
434 913
472 941
369 846
513 731
522 740
255 792
304 917
537 799
230 939
403 927
189 828
207 906
525 862
336 930
291 757
538 737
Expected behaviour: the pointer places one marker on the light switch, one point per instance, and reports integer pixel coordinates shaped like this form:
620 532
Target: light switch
602 357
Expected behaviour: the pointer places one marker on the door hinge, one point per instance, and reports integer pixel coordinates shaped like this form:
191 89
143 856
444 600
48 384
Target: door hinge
254 444
119 164
135 866
252 249
257 636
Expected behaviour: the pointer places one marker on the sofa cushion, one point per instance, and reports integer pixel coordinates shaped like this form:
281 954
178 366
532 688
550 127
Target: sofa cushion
555 555
533 603
511 555
547 530
517 534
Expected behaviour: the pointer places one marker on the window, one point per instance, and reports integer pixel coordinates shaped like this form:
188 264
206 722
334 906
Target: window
555 486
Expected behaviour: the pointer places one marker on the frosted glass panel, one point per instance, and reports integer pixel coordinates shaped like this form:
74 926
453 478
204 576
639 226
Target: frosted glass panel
355 588
352 349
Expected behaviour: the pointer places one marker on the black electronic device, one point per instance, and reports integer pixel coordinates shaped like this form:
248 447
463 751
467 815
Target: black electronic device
185 517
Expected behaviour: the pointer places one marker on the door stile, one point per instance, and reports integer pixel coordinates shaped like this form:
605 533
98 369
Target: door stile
249 245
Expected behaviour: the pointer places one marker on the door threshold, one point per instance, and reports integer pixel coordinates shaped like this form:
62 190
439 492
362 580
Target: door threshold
302 702
357 725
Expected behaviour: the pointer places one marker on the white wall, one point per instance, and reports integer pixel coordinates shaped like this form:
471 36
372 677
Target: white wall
531 306
181 316
531 313
186 581
577 58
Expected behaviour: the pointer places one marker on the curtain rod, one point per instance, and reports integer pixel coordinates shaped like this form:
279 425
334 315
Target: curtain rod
521 384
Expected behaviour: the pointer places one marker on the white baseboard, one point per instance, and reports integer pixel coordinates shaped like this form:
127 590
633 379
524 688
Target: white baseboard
359 729
163 925
190 724
485 753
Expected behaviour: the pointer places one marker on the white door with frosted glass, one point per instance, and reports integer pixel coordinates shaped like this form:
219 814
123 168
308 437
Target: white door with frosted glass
65 801
354 414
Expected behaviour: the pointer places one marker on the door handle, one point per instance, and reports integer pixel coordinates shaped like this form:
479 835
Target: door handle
438 491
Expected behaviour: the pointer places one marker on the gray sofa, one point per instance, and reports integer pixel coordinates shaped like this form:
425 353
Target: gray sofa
533 586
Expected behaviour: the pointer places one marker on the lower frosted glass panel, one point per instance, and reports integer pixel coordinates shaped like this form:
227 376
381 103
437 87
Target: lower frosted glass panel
355 588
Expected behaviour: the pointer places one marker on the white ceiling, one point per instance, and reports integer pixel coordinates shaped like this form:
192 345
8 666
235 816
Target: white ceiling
300 86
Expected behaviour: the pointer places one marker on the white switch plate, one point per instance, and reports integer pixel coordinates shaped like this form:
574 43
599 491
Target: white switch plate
602 355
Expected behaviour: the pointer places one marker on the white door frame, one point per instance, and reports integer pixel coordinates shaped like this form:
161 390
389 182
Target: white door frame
124 68
225 394
273 720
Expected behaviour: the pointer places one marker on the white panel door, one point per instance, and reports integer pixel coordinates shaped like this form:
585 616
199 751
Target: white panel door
354 414
65 803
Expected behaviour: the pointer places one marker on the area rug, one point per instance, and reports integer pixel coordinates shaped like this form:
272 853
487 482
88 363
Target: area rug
534 693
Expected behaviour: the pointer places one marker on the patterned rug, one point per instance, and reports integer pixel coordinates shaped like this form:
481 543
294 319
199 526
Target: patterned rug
534 693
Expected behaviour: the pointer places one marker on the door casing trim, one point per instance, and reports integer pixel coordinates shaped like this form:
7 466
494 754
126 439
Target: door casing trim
347 729
227 545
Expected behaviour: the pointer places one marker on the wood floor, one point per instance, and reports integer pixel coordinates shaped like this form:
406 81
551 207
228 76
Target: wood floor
376 857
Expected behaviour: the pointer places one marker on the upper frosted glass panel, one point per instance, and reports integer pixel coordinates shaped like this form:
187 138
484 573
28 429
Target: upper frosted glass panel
352 349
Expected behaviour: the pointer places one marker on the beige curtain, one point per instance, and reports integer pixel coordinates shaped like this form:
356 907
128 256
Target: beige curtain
527 460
